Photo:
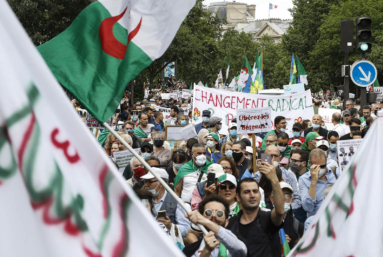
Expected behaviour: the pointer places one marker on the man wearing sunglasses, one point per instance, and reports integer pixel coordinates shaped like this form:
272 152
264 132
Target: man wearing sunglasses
312 184
213 213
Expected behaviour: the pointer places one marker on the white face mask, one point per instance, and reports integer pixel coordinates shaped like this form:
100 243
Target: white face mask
210 144
276 164
281 148
287 207
322 172
200 160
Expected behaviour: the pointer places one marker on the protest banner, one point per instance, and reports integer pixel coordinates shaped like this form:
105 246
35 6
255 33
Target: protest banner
294 88
165 96
123 158
91 122
173 96
347 149
295 108
326 115
166 111
174 132
186 95
251 121
187 91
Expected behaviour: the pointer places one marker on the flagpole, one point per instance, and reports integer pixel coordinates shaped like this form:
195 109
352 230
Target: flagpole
167 188
269 10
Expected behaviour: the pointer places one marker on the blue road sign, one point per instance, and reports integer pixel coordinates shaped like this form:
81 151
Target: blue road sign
363 73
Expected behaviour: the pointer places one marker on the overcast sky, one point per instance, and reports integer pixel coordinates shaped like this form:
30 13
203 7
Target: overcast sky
262 6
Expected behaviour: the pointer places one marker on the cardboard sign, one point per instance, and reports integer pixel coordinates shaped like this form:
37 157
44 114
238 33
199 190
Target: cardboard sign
251 121
380 91
294 88
188 132
173 96
346 150
173 132
326 115
123 158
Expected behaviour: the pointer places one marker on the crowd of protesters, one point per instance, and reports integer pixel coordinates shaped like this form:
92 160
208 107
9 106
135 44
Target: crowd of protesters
243 207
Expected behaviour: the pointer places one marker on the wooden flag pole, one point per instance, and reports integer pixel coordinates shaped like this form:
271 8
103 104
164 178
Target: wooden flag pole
254 154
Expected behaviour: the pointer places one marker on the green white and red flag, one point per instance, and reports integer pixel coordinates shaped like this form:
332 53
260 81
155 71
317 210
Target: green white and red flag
60 195
349 222
108 45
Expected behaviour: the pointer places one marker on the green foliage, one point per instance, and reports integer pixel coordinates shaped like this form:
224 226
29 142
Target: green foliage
45 19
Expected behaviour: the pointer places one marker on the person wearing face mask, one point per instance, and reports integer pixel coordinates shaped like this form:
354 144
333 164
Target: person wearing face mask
249 153
191 173
280 126
129 129
232 136
331 164
146 150
159 151
163 201
211 148
283 144
310 142
333 137
292 227
137 168
297 132
182 120
205 121
226 149
296 144
242 163
215 124
354 128
313 184
316 127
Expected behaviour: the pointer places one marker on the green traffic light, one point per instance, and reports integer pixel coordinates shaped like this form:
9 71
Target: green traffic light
364 47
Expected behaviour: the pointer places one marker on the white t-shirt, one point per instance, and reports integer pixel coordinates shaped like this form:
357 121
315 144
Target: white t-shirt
189 182
147 130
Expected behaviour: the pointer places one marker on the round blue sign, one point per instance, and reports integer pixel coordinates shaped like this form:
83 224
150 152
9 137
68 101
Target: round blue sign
363 73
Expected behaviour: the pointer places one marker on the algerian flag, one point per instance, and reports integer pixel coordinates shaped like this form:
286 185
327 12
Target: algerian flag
60 194
218 82
293 71
108 45
302 75
228 69
349 223
246 69
191 86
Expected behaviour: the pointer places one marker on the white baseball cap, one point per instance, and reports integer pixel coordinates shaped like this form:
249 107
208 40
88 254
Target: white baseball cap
283 184
323 142
232 124
249 149
160 172
227 177
215 168
296 141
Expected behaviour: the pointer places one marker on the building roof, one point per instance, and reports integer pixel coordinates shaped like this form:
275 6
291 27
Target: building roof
278 28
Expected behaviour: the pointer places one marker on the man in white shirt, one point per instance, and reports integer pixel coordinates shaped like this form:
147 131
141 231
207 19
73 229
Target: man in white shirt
342 129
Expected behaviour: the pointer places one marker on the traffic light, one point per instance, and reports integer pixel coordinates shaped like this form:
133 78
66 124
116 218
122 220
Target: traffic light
363 35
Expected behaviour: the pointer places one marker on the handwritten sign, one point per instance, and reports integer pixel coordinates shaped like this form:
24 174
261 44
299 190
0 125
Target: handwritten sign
173 132
165 96
253 120
173 95
294 88
326 115
123 158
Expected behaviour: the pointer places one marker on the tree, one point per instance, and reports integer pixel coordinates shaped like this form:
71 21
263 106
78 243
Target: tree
45 19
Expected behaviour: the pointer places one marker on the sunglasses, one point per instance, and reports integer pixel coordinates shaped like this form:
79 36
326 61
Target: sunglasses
208 213
323 166
146 151
224 186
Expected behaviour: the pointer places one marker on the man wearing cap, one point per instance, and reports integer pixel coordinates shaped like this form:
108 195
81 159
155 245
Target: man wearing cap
211 148
316 127
162 201
310 142
333 165
292 227
249 153
280 126
232 136
205 121
312 184
346 118
296 144
297 132
215 124
213 215
342 129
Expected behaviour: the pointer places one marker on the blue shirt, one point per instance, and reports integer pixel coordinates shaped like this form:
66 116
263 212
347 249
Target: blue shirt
311 206
214 156
200 126
182 222
290 179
